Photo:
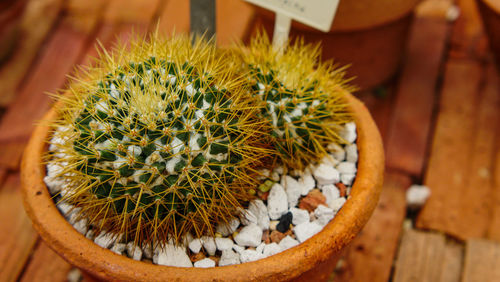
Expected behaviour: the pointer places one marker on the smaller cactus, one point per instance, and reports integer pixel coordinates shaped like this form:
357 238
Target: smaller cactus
301 98
162 141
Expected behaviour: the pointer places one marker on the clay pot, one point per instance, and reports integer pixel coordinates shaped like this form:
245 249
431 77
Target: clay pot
490 12
313 260
370 36
10 18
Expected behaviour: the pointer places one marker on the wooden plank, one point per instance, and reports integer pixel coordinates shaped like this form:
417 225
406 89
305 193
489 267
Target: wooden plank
420 257
494 228
38 20
233 26
64 48
451 269
138 11
468 37
371 254
17 236
460 166
482 261
46 265
174 17
410 126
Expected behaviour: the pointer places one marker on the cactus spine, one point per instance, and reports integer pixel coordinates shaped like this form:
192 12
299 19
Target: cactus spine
161 141
301 98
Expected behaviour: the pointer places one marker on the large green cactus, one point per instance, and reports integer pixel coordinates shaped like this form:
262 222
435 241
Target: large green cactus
302 99
161 141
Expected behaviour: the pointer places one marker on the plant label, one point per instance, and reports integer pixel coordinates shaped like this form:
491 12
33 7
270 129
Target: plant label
316 13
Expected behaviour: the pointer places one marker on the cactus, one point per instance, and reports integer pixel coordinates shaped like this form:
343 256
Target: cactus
301 98
161 141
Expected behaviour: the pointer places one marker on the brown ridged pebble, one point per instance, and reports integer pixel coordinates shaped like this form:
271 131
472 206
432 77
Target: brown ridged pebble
276 236
312 200
342 189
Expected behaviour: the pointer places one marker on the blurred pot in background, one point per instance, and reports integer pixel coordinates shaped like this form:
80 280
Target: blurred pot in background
10 18
490 12
368 35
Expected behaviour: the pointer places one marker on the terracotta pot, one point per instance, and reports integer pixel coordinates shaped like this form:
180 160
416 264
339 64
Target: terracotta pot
10 18
370 36
490 12
313 260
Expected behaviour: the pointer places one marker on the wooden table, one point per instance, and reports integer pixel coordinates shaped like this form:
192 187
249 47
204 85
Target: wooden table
439 119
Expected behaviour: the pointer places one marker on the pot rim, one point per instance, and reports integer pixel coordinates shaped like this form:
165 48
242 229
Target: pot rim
102 263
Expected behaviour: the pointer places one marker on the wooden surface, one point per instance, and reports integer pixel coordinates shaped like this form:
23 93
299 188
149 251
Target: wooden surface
439 119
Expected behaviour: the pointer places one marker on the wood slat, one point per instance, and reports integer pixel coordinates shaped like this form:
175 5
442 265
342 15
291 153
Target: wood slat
174 16
494 229
482 261
410 126
461 163
420 257
46 265
63 50
468 40
17 237
371 254
136 11
38 20
451 269
234 26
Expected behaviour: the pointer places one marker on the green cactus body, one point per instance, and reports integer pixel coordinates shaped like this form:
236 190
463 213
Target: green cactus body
301 98
162 142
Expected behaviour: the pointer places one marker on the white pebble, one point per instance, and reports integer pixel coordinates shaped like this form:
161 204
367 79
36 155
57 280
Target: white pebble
346 168
147 251
271 249
226 229
287 243
65 208
224 243
209 245
331 192
336 151
247 217
348 133
293 190
134 251
229 257
105 240
250 255
306 183
259 209
238 249
81 225
260 247
417 195
299 216
336 204
277 203
275 176
347 178
195 245
118 248
329 160
306 230
173 255
326 174
250 236
204 263
351 153
323 214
